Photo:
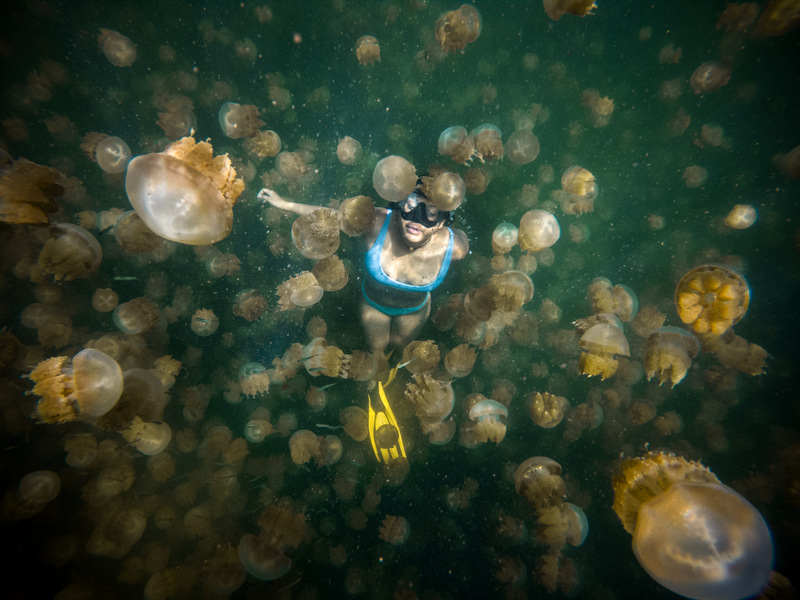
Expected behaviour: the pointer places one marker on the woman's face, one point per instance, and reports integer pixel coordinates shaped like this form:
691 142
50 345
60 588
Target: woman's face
418 221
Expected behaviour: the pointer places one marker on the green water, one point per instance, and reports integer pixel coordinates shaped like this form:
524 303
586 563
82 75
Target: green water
742 427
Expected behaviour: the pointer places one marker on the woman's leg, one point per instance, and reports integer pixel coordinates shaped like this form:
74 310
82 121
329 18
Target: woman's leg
406 327
376 327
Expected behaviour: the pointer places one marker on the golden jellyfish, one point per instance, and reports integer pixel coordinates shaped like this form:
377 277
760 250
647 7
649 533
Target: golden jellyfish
460 360
27 191
556 9
778 17
538 229
204 322
69 253
738 17
224 573
368 51
734 352
264 143
709 77
741 216
489 417
457 28
539 480
456 143
133 236
184 194
257 429
148 437
522 147
320 358
432 400
104 300
355 422
356 215
600 346
34 491
362 366
112 154
394 530
647 320
261 560
421 356
579 181
504 238
668 354
695 176
488 142
301 291
118 49
90 384
81 450
394 178
135 316
291 165
692 534
446 191
250 305
348 151
304 445
254 379
239 120
547 410
316 235
331 273
712 298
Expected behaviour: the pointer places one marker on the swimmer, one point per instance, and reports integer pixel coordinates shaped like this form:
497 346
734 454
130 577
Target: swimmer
409 251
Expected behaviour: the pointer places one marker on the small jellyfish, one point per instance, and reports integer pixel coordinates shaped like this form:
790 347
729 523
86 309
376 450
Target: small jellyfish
741 216
432 400
356 422
90 384
118 49
712 298
261 560
504 238
33 493
490 420
135 316
778 17
264 144
668 354
304 445
301 291
456 143
331 273
148 437
446 192
81 450
556 9
460 360
254 379
539 480
709 77
394 530
348 151
104 300
457 28
368 51
692 534
394 178
421 356
250 305
601 343
522 147
548 410
134 237
356 215
239 120
112 154
316 235
538 229
291 165
69 253
488 142
204 322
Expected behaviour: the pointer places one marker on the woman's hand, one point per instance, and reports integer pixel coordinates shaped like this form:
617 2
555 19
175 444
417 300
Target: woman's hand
271 196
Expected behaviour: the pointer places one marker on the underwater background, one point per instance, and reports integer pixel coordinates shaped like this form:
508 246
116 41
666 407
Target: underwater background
296 62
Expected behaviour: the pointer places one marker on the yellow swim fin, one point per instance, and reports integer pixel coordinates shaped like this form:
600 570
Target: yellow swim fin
384 432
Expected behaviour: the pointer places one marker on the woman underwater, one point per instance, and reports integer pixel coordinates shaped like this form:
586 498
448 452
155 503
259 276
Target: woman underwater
409 251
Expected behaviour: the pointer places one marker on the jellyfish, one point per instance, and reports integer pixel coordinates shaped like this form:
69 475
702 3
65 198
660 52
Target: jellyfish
118 49
456 143
457 28
460 360
712 298
692 534
250 305
264 144
239 120
81 450
446 191
261 560
356 422
304 445
778 17
538 229
394 178
555 9
432 400
695 176
204 322
490 420
133 236
257 429
362 366
539 480
601 343
394 530
69 253
735 352
322 359
330 273
356 215
709 77
316 235
488 142
113 155
349 150
522 147
668 354
135 316
421 356
291 165
302 291
27 192
562 524
184 194
368 51
148 437
104 300
224 573
34 492
504 238
90 384
580 182
254 379
547 410
741 216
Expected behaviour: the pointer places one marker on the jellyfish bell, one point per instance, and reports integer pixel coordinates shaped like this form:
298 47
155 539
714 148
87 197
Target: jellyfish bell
69 253
668 354
184 194
504 238
457 28
447 190
539 479
488 142
262 560
522 147
394 178
709 77
456 143
741 216
556 9
316 235
579 525
712 298
490 420
538 229
118 49
112 154
580 182
356 215
348 151
367 50
601 344
239 121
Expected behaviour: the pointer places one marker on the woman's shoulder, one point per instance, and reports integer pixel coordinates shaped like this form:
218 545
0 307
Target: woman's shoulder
460 244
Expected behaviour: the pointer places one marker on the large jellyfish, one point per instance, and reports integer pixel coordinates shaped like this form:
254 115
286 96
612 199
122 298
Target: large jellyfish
712 298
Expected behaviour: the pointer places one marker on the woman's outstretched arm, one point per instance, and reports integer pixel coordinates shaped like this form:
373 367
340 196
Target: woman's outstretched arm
271 196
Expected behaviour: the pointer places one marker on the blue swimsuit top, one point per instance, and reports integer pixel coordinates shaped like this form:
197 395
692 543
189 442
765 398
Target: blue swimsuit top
372 260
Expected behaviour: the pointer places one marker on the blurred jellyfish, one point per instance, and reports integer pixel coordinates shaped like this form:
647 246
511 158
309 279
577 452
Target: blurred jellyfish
547 410
668 354
539 480
692 534
316 235
348 151
253 379
394 178
204 322
302 291
264 144
291 165
446 191
239 120
135 316
105 300
711 298
490 420
119 50
356 422
556 9
356 215
113 155
304 445
601 343
460 360
368 51
394 530
488 142
457 28
70 252
504 238
522 147
741 216
81 450
250 305
456 143
148 437
709 77
33 493
695 176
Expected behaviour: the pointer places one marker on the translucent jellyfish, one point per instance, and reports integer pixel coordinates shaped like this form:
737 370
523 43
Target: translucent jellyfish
304 445
90 384
432 400
668 354
580 182
556 9
69 253
239 120
112 154
316 235
457 28
224 573
356 215
778 17
254 379
363 366
547 410
349 150
118 49
133 236
368 51
618 300
264 144
81 450
741 216
504 238
538 229
322 359
256 430
692 534
709 77
291 165
601 343
148 437
456 143
421 356
522 147
204 322
711 298
302 291
184 194
105 300
250 305
262 560
695 176
331 273
394 178
490 420
735 352
460 360
488 142
446 191
356 422
539 480
394 530
135 316
27 192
